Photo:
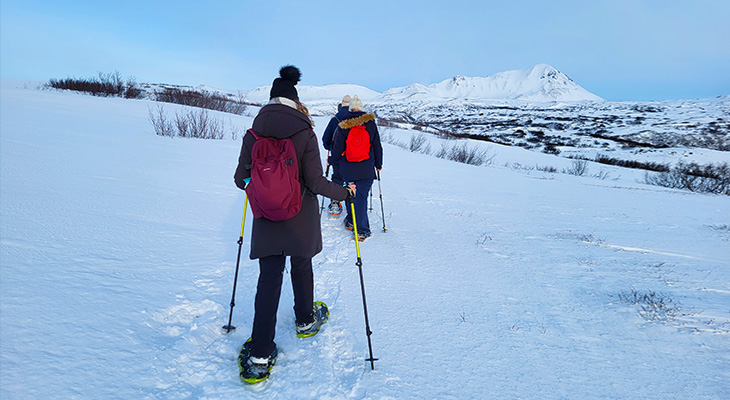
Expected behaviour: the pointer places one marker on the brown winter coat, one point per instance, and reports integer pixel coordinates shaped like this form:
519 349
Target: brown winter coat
300 235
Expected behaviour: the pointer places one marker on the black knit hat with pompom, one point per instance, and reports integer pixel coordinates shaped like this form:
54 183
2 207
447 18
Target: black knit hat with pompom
284 86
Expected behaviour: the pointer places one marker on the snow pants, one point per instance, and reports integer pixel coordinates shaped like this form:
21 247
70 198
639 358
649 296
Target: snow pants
361 205
268 292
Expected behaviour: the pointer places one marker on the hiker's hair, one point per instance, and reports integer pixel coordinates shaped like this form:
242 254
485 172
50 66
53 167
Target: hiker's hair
304 110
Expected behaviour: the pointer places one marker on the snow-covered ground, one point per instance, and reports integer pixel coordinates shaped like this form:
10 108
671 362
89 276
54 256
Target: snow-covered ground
118 250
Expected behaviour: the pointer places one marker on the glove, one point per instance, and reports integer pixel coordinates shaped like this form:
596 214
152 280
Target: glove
350 193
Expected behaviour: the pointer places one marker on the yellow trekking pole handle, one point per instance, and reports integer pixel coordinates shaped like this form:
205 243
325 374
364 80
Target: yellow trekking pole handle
357 240
245 207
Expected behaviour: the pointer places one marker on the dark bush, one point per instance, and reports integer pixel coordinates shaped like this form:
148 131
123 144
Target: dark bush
710 178
203 99
551 149
109 84
632 164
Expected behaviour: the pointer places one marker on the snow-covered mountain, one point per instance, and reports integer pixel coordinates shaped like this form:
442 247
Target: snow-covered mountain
540 83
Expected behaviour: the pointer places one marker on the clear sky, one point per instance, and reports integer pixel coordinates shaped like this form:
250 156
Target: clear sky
617 49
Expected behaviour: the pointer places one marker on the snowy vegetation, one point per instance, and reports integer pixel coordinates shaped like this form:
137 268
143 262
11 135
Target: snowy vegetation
576 124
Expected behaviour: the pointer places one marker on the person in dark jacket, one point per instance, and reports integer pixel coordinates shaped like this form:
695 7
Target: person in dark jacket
299 237
343 109
360 173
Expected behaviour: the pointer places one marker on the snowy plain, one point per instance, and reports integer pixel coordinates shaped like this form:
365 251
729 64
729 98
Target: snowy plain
118 250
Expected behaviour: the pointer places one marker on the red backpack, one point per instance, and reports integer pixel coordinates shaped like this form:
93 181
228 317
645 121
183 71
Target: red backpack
357 145
274 191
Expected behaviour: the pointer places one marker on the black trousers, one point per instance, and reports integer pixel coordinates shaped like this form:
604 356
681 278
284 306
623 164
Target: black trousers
268 292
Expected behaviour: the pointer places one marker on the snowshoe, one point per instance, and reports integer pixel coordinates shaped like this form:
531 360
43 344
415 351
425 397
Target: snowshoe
361 236
321 315
335 208
255 369
348 225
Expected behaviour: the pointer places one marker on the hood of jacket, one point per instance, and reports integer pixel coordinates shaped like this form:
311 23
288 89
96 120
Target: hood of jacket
361 119
280 121
342 113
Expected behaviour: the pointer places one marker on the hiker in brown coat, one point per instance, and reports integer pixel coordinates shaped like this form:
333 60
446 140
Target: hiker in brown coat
299 237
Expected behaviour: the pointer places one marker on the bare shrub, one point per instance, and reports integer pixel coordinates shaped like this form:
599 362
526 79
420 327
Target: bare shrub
417 142
235 132
199 125
651 166
548 168
710 178
464 154
106 84
189 124
203 99
182 124
159 121
577 168
654 306
387 136
602 175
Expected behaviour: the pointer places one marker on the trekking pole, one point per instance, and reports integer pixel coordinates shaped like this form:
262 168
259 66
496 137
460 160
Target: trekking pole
371 200
326 175
380 191
362 287
228 328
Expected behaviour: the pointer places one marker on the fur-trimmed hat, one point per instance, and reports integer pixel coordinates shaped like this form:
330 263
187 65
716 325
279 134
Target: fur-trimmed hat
345 101
284 85
355 104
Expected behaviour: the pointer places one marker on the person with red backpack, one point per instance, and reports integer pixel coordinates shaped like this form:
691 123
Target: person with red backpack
280 168
358 152
343 110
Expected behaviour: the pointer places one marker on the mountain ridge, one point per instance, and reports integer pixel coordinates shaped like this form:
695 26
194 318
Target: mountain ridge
539 83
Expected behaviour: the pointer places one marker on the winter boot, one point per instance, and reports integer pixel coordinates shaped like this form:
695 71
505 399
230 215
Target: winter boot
348 225
335 208
255 369
321 315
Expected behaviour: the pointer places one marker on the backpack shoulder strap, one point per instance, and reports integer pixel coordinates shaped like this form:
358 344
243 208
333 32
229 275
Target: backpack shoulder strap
257 137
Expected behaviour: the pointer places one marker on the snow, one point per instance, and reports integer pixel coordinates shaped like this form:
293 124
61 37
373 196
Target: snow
118 250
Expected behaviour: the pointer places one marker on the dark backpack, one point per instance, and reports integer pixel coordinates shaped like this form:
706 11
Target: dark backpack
357 145
274 191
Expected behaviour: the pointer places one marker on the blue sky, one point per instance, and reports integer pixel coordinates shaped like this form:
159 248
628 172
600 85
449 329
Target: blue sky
617 49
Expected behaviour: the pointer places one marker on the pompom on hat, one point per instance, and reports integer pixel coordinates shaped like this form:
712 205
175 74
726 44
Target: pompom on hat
355 104
283 86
